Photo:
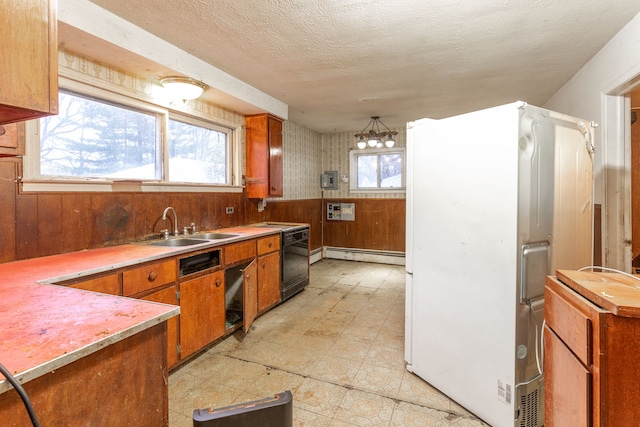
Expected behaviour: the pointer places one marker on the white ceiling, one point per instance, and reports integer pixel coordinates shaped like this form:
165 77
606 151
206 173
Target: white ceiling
337 62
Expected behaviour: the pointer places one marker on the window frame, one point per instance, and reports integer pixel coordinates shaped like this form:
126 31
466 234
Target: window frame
353 169
33 181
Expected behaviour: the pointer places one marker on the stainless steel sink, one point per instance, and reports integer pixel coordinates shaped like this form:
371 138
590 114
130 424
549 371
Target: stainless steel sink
216 236
178 242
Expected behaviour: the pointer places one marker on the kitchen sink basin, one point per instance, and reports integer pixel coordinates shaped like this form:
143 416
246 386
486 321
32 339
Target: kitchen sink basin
178 242
217 236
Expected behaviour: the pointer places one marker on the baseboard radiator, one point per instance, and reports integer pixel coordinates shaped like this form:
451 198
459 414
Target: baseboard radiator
364 255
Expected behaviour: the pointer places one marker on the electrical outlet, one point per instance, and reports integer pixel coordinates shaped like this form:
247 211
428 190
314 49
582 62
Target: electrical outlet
229 209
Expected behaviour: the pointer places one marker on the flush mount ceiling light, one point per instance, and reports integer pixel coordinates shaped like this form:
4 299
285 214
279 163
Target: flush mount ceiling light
374 137
184 88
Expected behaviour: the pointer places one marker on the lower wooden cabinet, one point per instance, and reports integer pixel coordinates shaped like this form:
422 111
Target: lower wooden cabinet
109 284
268 281
202 312
123 384
169 296
592 350
241 284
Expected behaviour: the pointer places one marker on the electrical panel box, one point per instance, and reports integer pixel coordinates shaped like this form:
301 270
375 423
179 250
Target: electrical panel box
341 211
329 180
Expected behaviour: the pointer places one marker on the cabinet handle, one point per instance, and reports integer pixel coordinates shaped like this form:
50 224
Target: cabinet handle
270 245
264 264
2 130
218 283
153 275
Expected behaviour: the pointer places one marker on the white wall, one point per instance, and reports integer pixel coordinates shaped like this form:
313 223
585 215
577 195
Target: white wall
592 94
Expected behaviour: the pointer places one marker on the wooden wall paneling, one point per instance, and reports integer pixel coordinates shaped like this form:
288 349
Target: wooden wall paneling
148 208
209 220
76 222
597 234
8 190
113 221
241 209
229 220
26 226
379 225
49 224
397 225
370 226
187 209
304 211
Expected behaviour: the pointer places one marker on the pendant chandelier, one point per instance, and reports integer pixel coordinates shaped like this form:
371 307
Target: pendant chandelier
374 137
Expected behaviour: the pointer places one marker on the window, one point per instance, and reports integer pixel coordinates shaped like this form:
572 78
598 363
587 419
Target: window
197 153
377 170
104 140
91 139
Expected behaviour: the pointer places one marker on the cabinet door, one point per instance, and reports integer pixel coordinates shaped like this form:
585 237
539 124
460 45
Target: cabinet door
250 295
201 312
169 296
29 65
12 139
268 281
263 156
275 157
567 399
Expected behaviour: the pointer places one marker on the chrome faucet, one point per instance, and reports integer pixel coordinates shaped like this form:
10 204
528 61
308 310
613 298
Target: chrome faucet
175 219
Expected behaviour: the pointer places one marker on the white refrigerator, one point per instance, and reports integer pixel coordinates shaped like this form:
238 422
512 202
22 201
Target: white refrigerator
497 199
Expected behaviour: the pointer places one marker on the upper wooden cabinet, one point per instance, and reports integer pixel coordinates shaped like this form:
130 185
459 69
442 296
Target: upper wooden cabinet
264 156
29 59
12 140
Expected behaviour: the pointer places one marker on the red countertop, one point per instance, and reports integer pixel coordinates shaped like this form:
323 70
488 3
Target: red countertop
45 326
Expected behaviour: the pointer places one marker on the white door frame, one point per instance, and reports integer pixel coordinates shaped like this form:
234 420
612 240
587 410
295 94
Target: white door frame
616 173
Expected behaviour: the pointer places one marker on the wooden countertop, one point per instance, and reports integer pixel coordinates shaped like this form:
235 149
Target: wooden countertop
615 292
45 326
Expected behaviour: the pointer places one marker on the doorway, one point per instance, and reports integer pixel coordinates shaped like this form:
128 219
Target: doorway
634 134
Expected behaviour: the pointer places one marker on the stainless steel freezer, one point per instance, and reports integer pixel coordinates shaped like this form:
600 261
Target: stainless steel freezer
497 199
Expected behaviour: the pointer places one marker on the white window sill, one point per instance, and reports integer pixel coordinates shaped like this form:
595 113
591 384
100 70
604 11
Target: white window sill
378 190
107 186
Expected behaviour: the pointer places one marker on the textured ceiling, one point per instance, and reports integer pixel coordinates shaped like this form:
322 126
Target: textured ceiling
337 62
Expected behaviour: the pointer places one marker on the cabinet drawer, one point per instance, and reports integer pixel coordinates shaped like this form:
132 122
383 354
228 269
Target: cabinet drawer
105 284
268 244
148 277
570 323
239 251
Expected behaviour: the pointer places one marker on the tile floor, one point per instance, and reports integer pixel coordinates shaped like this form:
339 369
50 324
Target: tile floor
338 346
